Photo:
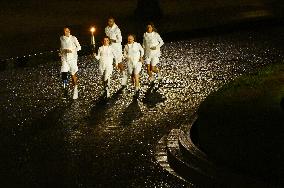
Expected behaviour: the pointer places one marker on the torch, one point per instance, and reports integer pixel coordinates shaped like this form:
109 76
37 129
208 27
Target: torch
93 42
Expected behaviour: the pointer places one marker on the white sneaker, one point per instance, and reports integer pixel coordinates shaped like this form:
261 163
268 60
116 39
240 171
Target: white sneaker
137 88
107 92
75 94
124 79
159 76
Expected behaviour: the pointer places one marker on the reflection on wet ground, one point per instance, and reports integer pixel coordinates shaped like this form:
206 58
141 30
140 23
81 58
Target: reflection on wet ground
46 141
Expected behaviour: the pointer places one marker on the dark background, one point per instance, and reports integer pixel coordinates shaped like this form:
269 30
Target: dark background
31 26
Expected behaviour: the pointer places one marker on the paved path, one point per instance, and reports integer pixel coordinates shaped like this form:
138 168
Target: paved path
48 142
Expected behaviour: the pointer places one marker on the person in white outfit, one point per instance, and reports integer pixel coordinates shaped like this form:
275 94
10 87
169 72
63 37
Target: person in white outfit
69 57
106 56
152 43
114 33
133 53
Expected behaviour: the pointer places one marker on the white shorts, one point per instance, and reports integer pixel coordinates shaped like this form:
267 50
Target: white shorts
69 66
117 48
134 68
152 60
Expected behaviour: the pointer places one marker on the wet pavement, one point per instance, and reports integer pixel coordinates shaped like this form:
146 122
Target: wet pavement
49 142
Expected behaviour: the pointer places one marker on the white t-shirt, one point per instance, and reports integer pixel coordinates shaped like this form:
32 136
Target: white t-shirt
150 40
114 33
133 52
106 55
70 43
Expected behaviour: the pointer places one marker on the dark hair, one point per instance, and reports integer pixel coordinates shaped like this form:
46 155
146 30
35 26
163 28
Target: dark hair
133 35
153 26
106 37
111 18
66 27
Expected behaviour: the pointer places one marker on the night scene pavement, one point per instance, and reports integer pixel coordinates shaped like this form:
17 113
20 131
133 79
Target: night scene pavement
49 142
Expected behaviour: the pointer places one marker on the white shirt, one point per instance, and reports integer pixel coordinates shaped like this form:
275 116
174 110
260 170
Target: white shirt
114 33
133 52
150 40
70 43
106 55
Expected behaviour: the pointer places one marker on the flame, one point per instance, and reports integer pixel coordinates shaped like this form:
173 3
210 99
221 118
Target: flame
93 29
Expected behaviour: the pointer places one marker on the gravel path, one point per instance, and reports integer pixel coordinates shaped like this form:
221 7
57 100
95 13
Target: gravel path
47 142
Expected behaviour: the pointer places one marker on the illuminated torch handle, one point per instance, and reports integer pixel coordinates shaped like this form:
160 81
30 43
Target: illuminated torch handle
93 42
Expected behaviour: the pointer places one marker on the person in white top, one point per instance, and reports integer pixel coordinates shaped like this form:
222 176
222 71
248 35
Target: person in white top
133 53
114 33
69 57
106 55
152 43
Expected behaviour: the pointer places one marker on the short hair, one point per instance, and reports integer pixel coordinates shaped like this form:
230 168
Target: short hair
66 27
111 18
105 37
133 35
153 26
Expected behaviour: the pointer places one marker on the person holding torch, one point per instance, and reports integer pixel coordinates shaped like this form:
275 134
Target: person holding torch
105 56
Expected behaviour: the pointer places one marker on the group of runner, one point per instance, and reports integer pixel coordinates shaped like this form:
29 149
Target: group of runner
110 54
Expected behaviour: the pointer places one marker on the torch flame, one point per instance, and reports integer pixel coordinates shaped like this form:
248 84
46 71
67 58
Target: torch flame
93 29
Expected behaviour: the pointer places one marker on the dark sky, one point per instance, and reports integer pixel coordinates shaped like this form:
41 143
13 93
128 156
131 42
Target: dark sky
34 25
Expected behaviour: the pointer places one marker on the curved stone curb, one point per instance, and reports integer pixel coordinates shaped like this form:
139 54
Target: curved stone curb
190 171
183 159
162 158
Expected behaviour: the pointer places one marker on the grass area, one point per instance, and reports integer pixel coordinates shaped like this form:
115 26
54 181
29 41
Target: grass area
241 125
264 82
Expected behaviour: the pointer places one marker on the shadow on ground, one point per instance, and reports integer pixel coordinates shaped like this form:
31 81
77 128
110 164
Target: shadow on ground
101 106
131 113
152 96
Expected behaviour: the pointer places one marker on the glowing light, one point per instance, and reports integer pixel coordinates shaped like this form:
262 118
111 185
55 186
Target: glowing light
93 29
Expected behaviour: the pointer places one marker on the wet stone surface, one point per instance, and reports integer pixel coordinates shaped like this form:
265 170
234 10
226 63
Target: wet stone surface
46 141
